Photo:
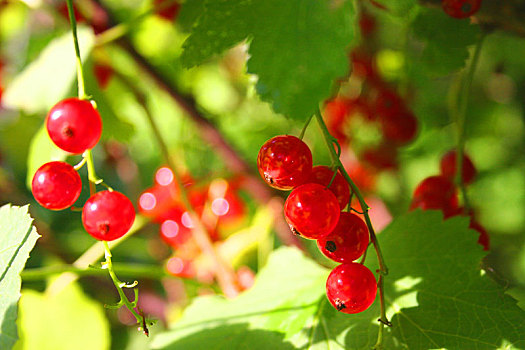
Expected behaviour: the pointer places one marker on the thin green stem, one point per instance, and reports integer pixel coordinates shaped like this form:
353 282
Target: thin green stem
149 271
80 73
301 135
119 285
460 115
383 270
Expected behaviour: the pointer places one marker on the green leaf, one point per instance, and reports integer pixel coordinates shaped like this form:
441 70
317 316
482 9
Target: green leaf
48 78
73 320
17 239
436 297
297 62
446 40
41 151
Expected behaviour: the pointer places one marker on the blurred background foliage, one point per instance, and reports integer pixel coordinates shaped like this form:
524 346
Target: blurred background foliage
224 96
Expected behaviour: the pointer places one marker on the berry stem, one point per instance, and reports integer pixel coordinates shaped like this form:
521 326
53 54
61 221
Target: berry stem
460 114
383 270
301 135
119 285
224 273
80 73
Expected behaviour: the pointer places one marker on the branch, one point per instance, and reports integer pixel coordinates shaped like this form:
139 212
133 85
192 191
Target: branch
508 15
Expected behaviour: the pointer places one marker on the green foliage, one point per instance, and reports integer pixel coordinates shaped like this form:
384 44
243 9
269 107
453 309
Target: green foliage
314 46
436 297
77 321
446 40
17 239
46 80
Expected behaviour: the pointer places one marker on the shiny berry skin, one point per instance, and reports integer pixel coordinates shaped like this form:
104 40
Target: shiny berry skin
312 211
108 215
56 185
460 8
351 288
74 125
448 167
285 162
348 241
322 175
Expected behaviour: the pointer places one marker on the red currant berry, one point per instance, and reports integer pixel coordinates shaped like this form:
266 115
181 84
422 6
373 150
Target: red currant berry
56 185
384 157
348 241
448 167
351 288
169 12
74 125
436 192
180 267
312 211
285 162
484 238
400 128
103 74
108 215
322 175
461 8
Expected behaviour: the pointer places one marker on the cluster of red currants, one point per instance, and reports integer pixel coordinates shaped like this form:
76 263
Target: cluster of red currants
218 204
314 211
460 8
75 126
440 193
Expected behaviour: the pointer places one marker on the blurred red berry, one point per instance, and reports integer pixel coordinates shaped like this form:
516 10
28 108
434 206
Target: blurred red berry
460 8
448 167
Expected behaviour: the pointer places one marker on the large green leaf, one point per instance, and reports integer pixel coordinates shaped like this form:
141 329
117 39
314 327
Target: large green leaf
436 297
446 40
17 239
49 78
74 321
296 61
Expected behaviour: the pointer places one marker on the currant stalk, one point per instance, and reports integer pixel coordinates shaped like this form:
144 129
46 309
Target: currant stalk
459 113
383 270
94 180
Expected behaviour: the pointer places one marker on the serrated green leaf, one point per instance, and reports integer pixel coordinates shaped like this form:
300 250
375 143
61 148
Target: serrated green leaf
446 40
296 62
41 151
74 321
436 297
17 239
48 78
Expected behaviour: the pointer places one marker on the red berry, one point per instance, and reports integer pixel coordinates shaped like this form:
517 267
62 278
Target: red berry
169 12
172 231
388 102
400 128
322 175
74 125
56 185
381 158
108 215
156 202
449 169
348 241
285 162
436 192
180 267
351 288
484 238
312 211
460 8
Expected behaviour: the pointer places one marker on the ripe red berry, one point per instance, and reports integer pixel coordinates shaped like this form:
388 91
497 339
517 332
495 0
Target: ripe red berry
383 157
348 241
285 162
180 267
56 185
449 169
322 175
351 288
312 211
169 12
74 125
108 215
436 192
103 74
461 8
